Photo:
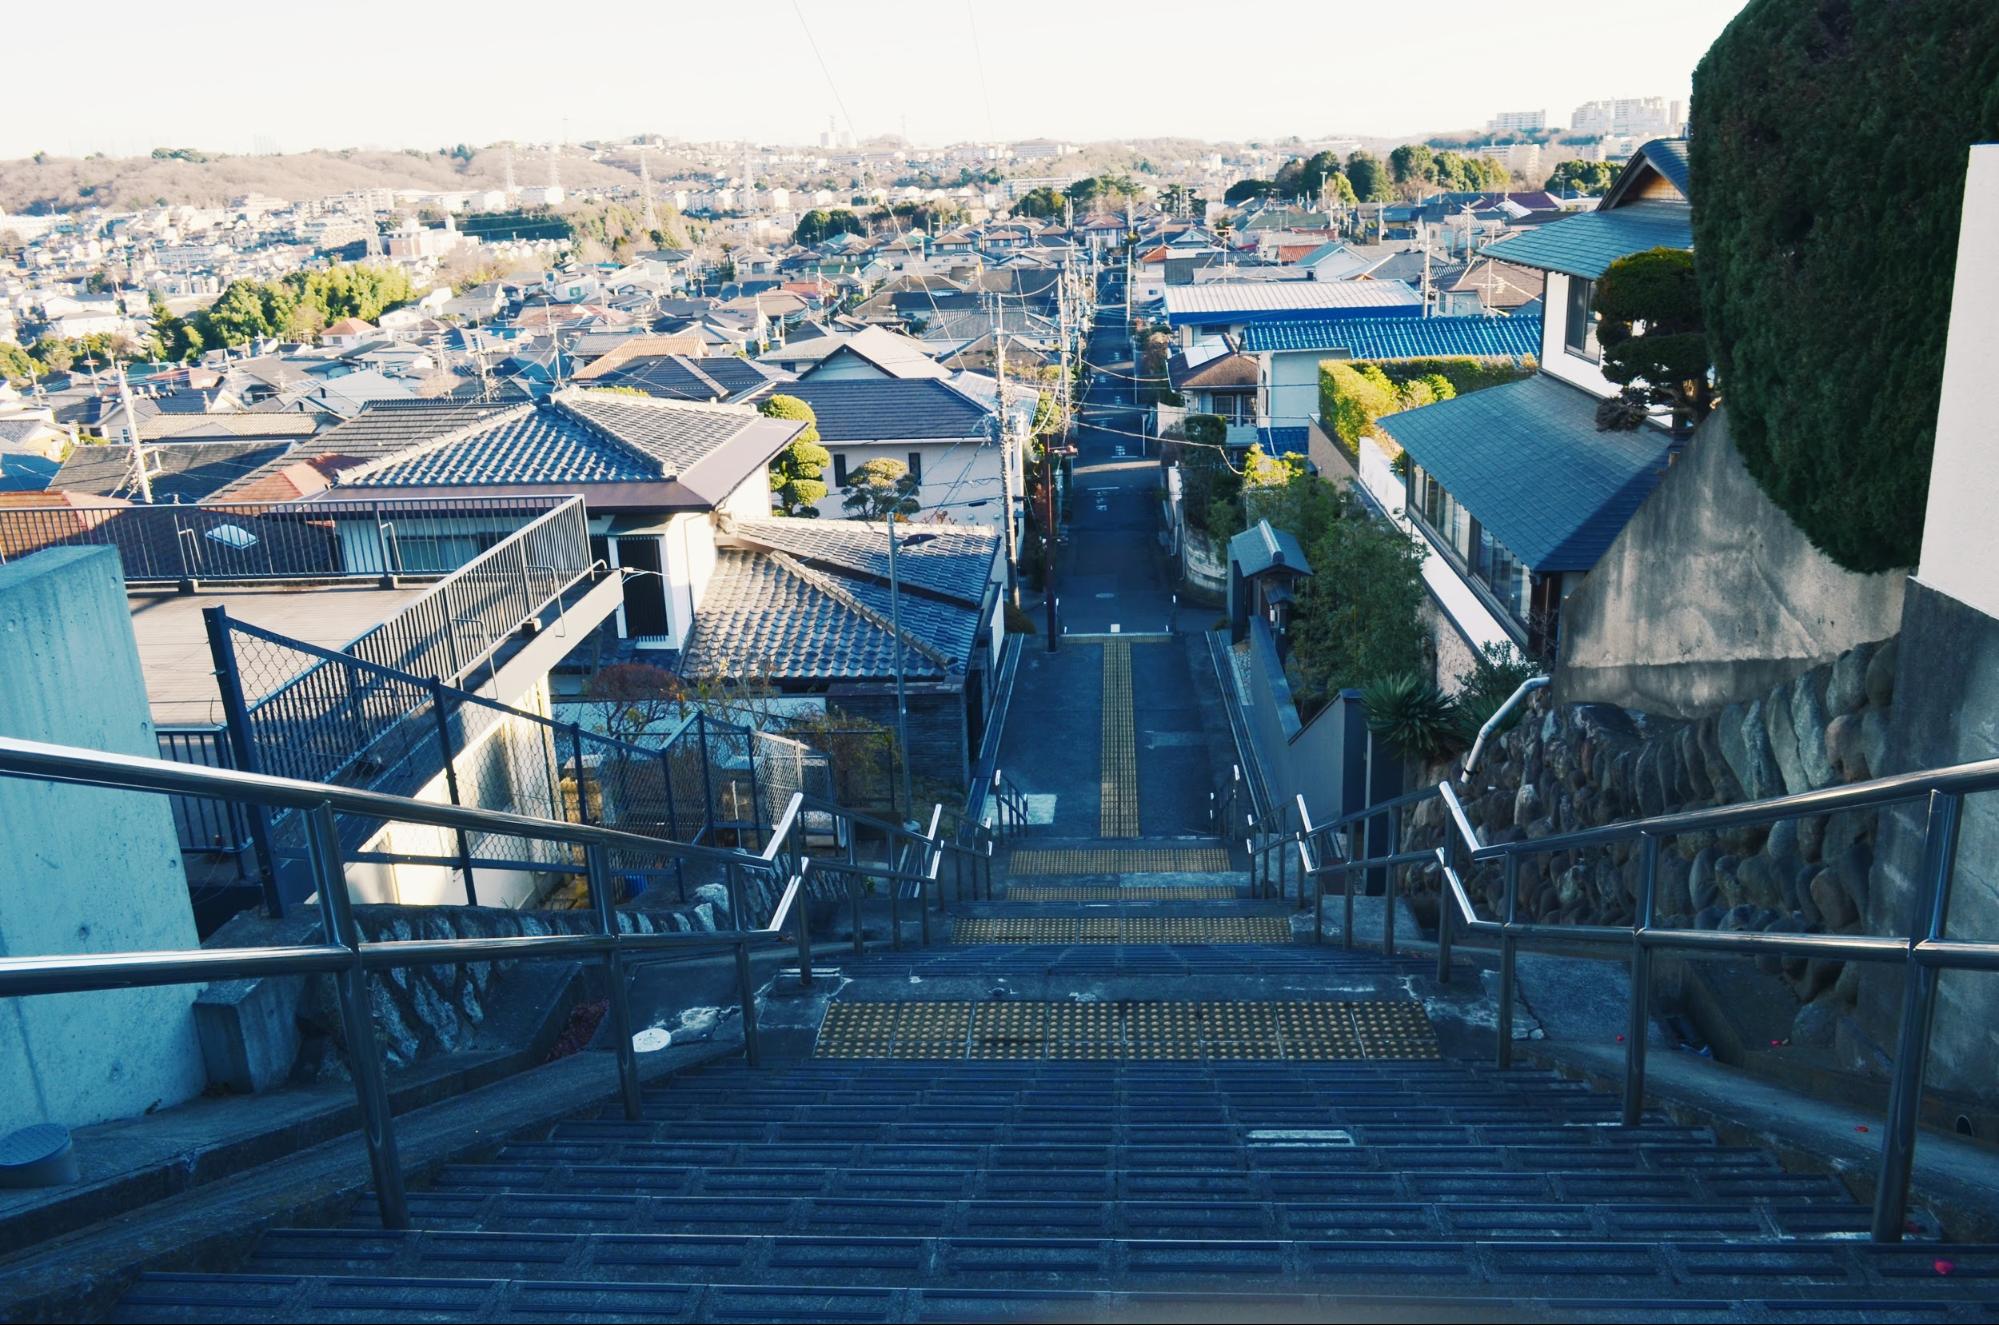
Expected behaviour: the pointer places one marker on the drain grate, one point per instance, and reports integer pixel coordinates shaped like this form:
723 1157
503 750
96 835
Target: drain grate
1092 892
1047 861
1129 1032
1122 929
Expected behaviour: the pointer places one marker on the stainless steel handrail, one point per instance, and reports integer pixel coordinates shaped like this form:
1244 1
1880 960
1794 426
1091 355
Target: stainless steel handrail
344 955
1499 715
1923 953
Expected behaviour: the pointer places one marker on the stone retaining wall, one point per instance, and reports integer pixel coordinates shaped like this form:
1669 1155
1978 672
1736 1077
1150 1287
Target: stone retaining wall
1568 767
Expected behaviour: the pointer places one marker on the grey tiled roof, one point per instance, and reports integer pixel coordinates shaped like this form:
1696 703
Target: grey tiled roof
578 437
1263 547
678 377
888 409
1527 460
183 471
1586 244
953 560
768 615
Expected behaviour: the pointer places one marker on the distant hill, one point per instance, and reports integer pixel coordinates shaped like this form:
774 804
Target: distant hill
123 183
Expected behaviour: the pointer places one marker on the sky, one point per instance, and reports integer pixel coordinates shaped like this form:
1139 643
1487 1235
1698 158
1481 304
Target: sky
360 73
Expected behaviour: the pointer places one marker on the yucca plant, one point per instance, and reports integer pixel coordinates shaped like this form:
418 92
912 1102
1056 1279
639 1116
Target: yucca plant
1410 713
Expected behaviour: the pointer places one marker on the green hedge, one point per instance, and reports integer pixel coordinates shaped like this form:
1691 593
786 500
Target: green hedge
1353 393
1828 155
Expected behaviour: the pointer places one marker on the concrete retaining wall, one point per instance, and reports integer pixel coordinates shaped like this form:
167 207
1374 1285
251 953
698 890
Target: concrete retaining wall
1711 596
85 869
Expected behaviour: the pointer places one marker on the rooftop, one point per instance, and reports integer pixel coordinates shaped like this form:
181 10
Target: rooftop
1587 243
1265 301
1528 460
1401 337
891 410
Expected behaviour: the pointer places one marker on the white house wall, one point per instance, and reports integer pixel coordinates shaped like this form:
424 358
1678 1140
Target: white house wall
1556 361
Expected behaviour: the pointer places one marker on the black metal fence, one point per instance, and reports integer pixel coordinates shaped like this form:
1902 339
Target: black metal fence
186 545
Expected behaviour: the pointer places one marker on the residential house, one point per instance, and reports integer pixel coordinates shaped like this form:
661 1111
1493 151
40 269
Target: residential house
658 477
1515 488
804 607
720 380
869 354
948 440
1225 307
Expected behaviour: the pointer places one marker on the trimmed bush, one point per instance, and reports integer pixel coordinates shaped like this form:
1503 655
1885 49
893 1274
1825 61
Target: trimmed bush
1351 397
1828 155
1353 393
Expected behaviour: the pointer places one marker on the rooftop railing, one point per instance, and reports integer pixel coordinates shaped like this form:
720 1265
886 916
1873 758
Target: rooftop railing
185 546
1347 846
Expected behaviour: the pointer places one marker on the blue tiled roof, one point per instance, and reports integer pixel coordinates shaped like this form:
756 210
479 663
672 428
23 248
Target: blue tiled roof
1263 547
1283 441
891 409
1586 244
1402 337
1527 460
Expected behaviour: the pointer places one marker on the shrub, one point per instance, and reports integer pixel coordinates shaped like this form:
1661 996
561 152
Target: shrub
1408 711
1826 299
1359 616
1353 393
1351 397
1494 675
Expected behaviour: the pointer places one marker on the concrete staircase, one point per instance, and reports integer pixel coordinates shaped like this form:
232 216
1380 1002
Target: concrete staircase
1180 1130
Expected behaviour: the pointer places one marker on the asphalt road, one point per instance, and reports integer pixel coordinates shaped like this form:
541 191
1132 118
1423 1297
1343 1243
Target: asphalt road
1113 577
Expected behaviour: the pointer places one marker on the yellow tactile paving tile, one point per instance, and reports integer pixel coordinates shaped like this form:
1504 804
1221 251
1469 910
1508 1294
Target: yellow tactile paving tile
1056 861
1183 930
1117 813
1137 1031
1090 892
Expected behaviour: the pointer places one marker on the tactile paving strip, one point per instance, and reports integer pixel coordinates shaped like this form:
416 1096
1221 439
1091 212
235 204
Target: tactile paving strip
1159 1032
1090 892
1065 930
1048 861
1117 808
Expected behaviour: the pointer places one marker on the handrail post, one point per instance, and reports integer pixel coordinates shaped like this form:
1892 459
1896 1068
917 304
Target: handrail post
894 912
752 1050
801 915
443 717
236 714
1447 913
707 781
1508 942
1641 984
733 880
673 824
582 791
1387 892
1346 889
854 894
597 865
1919 1002
364 1050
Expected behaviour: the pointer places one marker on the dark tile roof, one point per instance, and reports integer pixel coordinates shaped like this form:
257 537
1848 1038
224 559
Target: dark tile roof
579 437
1587 243
388 426
955 561
182 471
888 409
715 380
1528 461
1402 337
772 616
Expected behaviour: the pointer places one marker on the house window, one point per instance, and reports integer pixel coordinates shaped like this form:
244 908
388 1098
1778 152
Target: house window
1579 332
916 466
839 470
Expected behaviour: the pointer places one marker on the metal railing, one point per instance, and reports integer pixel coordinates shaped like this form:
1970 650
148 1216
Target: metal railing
247 542
342 953
1329 850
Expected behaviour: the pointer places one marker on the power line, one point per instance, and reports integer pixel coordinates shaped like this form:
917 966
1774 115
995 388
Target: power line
979 55
831 86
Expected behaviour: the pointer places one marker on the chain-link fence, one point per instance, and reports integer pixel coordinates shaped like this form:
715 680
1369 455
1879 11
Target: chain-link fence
298 710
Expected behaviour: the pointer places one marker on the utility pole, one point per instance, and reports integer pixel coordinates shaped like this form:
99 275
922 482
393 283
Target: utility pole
141 476
1006 462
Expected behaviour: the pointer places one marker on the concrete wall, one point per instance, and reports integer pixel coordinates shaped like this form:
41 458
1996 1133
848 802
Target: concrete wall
1324 760
1711 596
85 869
1960 537
1948 711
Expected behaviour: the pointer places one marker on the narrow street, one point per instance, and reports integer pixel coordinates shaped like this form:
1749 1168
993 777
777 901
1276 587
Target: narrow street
1117 735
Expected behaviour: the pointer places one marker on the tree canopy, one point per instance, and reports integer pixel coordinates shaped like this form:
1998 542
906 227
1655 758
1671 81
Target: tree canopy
1654 342
1589 179
880 489
819 225
1831 354
797 476
297 307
